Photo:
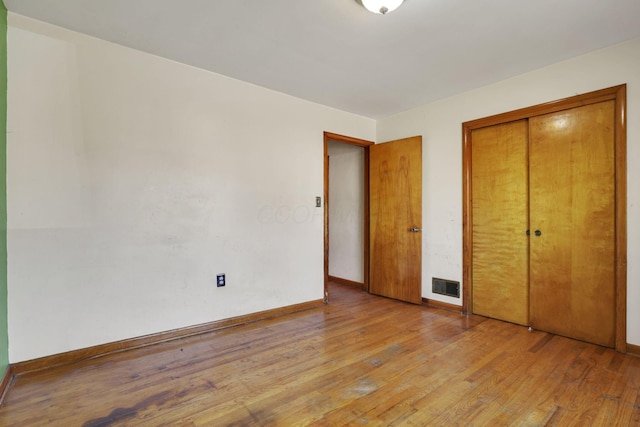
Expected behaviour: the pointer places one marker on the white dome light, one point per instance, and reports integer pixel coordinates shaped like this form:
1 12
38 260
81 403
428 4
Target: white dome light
382 6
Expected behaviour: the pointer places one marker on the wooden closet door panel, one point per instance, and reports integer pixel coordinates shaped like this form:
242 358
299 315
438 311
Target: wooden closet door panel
572 202
499 223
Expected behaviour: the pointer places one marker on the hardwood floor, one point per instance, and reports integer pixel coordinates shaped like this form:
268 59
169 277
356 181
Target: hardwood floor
360 360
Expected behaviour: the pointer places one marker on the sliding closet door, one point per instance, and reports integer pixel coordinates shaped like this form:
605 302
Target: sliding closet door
572 219
500 216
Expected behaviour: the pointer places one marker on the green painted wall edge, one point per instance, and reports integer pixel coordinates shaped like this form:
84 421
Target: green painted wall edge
4 329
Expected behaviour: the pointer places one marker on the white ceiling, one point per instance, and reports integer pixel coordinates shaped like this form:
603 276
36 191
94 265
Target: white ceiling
336 53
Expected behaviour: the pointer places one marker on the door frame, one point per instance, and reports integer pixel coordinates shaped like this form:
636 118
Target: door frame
328 136
619 95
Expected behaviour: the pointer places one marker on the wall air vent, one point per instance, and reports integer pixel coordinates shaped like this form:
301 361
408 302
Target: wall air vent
445 287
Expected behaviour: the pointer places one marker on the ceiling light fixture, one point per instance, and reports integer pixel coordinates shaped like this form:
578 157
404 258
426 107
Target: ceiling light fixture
381 6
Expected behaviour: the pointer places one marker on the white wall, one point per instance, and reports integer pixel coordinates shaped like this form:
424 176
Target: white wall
440 125
133 180
346 211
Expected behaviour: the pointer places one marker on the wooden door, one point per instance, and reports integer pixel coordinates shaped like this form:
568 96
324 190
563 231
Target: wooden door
395 209
572 214
499 155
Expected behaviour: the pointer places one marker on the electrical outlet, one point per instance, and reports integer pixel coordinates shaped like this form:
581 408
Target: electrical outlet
318 202
220 280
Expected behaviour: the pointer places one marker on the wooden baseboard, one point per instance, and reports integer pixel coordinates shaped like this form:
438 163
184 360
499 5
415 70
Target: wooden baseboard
6 382
346 282
634 350
75 356
442 305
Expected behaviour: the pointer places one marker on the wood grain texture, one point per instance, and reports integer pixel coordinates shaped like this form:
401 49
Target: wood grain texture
5 383
467 218
621 216
75 356
360 360
633 349
500 263
614 92
442 305
395 207
347 282
329 136
572 200
618 95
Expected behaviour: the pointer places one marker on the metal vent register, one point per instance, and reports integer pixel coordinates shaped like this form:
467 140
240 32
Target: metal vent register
445 287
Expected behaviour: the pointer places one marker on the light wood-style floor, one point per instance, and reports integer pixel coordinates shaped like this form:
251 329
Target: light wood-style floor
361 360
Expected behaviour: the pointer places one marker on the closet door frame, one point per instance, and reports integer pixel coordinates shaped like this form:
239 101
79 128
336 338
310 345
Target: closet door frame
615 93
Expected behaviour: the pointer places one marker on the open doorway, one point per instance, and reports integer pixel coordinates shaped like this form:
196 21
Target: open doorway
346 214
